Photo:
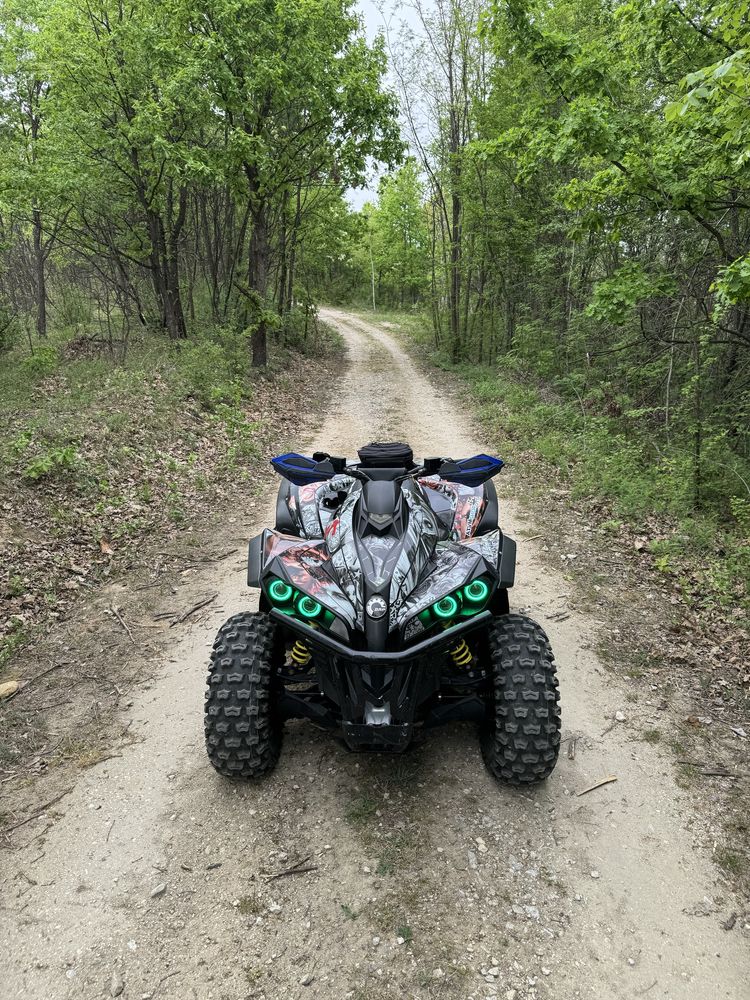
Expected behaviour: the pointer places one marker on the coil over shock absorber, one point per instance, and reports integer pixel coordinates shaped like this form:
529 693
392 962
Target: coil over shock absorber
461 655
300 654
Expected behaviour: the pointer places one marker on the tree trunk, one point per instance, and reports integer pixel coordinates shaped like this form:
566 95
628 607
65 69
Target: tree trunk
455 279
165 276
258 282
41 283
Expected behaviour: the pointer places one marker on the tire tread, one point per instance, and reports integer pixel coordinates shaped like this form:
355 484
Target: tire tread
521 743
243 736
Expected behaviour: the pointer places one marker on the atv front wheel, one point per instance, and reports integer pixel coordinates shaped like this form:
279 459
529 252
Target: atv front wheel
521 741
243 734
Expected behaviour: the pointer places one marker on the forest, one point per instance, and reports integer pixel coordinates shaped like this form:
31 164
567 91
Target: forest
562 214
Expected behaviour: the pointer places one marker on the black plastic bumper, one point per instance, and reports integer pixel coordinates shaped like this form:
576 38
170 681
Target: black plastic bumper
375 698
317 639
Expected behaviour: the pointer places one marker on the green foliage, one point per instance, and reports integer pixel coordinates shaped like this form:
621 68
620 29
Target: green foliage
595 225
52 463
614 299
211 371
41 363
597 457
394 248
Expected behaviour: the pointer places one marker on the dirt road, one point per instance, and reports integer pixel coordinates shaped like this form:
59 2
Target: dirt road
429 880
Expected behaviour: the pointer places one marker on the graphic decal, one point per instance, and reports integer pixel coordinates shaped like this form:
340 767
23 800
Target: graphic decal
419 546
468 504
454 564
488 545
437 552
307 566
343 551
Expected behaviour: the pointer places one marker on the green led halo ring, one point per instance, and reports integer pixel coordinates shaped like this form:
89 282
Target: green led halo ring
446 607
280 592
307 607
477 591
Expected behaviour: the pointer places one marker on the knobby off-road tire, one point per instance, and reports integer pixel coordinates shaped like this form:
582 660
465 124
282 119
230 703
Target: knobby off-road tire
243 733
521 741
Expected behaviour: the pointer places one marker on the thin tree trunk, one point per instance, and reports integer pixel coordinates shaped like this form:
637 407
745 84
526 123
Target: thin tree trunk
258 282
41 283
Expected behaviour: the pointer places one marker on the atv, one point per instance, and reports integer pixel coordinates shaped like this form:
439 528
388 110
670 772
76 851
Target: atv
383 612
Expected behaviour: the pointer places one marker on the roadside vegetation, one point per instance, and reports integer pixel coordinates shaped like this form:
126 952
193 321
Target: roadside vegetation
572 235
100 453
170 180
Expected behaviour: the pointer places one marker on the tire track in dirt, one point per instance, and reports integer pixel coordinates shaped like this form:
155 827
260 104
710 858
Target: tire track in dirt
430 880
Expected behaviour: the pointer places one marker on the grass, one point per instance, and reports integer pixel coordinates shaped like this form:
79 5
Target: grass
100 450
105 459
361 811
398 853
652 736
251 906
731 862
395 911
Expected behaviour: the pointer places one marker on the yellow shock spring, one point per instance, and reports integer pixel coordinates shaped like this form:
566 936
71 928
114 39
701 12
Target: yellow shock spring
461 654
300 654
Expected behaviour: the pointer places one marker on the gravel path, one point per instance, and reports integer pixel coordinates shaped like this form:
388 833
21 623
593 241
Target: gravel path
429 879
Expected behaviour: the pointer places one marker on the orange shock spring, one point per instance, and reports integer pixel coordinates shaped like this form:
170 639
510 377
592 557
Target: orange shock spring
461 655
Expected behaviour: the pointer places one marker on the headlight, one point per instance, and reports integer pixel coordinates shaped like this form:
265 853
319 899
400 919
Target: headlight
292 602
446 607
280 592
462 603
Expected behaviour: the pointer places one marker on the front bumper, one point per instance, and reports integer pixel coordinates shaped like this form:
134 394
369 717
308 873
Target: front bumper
321 641
375 697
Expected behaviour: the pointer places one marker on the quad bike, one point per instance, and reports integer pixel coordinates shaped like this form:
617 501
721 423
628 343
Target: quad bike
383 612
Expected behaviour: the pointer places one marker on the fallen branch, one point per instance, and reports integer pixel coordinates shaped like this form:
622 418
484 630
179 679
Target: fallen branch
719 771
291 871
113 610
191 611
598 784
163 980
9 829
296 869
37 677
558 616
211 559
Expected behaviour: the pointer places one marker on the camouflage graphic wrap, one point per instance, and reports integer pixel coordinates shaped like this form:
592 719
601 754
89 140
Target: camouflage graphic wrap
437 553
453 565
308 567
313 507
339 540
488 546
418 547
467 504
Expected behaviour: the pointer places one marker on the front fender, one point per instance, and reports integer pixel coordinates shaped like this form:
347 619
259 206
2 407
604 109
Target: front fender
254 560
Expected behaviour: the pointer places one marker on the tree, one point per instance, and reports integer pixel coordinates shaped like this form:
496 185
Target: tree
129 115
301 94
400 238
27 179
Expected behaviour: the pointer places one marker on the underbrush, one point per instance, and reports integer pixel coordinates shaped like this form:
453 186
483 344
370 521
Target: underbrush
99 451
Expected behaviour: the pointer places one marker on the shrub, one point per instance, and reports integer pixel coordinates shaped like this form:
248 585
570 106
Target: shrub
8 328
41 363
209 372
52 462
